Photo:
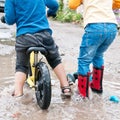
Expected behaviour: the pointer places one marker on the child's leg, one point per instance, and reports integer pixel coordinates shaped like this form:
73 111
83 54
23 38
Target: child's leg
20 78
54 59
60 72
90 42
98 61
87 52
21 72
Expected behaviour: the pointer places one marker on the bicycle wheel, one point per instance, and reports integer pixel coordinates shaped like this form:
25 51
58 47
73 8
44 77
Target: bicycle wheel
43 86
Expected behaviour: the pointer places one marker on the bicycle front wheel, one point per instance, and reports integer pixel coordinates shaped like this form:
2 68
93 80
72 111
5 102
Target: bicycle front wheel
43 86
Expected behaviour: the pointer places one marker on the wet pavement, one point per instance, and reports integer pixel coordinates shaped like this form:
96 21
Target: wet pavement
68 37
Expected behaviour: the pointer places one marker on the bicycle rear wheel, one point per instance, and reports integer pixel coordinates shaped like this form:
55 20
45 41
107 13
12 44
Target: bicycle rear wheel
43 86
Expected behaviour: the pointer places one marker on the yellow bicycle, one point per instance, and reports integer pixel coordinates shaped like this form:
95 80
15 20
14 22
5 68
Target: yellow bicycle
39 77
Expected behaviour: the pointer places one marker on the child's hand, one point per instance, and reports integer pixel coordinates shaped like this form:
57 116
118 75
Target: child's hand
73 4
116 4
3 19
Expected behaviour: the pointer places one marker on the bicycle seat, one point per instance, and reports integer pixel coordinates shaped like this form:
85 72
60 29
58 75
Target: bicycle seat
37 49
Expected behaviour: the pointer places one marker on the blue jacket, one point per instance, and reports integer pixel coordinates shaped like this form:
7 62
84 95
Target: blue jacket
29 15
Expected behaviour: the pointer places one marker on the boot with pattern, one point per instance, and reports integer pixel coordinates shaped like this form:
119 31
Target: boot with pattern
83 85
97 78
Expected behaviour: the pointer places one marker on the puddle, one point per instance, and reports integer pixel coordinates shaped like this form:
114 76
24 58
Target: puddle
98 107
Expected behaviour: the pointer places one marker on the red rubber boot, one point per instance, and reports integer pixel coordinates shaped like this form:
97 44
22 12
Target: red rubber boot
96 84
83 85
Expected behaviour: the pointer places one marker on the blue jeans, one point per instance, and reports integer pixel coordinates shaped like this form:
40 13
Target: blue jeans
95 41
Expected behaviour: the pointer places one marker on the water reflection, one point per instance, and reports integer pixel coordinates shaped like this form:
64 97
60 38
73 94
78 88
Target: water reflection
96 108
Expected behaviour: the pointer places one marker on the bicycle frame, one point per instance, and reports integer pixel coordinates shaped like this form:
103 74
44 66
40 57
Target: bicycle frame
33 51
31 78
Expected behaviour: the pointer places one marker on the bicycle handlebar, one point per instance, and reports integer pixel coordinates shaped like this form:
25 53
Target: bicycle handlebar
3 19
2 9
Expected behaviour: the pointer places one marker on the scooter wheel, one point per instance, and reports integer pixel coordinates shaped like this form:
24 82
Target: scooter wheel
71 79
75 75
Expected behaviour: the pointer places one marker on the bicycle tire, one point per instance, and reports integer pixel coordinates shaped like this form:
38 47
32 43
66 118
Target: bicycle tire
43 86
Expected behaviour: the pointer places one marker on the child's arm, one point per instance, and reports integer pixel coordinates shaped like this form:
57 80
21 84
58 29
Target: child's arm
73 4
9 12
116 4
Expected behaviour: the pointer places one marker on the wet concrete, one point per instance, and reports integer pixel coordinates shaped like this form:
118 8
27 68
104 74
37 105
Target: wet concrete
68 38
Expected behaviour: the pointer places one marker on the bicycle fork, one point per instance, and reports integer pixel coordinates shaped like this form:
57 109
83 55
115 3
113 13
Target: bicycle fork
33 63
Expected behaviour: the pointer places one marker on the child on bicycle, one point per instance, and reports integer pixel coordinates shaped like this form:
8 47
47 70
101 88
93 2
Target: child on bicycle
33 30
100 28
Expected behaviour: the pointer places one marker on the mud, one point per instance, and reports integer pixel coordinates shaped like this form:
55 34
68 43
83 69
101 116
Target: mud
68 37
